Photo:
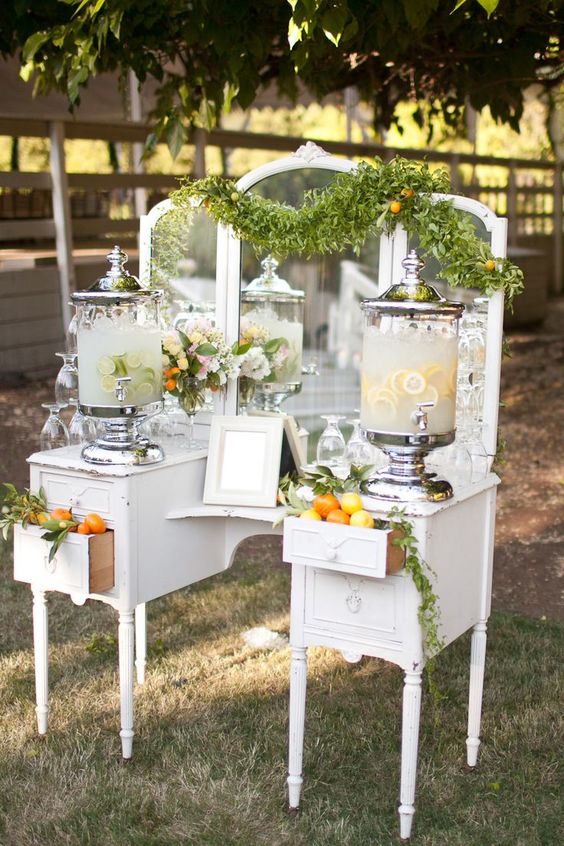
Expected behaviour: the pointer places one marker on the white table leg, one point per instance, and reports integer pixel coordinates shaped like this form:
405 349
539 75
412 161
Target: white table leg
409 744
41 652
126 638
477 667
140 641
298 686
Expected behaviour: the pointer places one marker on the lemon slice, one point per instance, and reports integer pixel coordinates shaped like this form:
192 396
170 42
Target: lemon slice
414 383
431 394
396 380
108 383
133 360
452 379
105 366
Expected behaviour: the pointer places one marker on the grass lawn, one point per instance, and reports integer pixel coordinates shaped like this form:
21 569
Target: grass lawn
209 761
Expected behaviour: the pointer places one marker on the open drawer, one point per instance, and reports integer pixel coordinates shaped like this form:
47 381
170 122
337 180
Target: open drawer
369 552
83 563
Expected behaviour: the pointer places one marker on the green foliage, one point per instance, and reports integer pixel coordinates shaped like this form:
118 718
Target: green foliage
355 205
21 508
202 57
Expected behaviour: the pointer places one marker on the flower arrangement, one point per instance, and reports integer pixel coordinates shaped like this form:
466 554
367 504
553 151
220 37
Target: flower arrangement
195 359
265 356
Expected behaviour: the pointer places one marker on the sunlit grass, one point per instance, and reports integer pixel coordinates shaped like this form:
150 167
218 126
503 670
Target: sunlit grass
209 761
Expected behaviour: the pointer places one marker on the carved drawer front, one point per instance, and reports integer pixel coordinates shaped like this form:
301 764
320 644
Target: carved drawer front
86 495
361 608
343 548
83 563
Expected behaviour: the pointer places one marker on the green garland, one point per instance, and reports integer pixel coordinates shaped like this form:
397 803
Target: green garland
369 200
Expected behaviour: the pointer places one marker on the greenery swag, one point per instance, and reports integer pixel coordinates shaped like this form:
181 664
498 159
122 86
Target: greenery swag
371 199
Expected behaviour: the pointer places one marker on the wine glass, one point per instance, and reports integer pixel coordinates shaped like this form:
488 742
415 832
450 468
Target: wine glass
358 452
66 383
82 429
54 433
331 445
191 400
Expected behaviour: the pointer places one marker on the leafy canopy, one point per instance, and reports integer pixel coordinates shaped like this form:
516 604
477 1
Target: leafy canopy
205 54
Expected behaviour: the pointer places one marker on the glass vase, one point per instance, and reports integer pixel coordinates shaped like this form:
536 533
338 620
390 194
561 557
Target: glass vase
191 400
247 388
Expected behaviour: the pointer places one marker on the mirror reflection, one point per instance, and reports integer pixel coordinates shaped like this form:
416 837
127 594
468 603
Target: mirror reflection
320 317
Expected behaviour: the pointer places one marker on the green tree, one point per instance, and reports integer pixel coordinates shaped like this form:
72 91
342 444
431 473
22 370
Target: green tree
205 54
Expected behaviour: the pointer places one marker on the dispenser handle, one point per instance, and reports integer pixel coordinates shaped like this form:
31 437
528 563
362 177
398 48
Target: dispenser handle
419 417
121 388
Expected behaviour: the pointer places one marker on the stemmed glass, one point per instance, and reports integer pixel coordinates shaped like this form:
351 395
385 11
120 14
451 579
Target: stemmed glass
359 452
331 445
66 383
171 427
82 429
192 400
54 433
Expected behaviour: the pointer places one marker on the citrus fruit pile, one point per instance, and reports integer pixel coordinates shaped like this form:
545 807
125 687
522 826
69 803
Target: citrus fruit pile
347 512
61 519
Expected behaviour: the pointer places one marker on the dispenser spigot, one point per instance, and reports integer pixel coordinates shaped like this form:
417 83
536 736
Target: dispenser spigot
121 388
419 417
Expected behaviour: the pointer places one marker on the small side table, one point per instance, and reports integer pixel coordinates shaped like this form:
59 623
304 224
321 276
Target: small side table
336 602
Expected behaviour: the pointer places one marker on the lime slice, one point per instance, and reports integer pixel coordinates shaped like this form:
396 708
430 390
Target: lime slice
147 358
108 383
133 360
105 366
414 383
119 362
144 392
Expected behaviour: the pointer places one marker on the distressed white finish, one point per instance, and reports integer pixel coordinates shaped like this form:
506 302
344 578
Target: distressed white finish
40 648
357 609
298 686
125 640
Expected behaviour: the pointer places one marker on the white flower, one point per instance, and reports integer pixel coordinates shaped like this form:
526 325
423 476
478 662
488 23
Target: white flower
254 364
182 363
305 493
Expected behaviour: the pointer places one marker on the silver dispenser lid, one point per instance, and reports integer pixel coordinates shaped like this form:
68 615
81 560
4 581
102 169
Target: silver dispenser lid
413 295
269 286
118 285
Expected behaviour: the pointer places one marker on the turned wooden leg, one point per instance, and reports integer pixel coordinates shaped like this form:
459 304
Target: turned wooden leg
298 685
126 638
409 744
41 652
477 667
140 641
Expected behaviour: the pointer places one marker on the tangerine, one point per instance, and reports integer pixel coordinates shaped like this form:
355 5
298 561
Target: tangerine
324 503
310 514
170 384
83 529
489 265
338 516
407 192
95 523
61 514
395 207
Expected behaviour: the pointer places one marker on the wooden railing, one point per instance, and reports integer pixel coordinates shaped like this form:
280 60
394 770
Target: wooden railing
528 192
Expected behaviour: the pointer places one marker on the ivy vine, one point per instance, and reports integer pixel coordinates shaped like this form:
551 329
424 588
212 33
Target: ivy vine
371 199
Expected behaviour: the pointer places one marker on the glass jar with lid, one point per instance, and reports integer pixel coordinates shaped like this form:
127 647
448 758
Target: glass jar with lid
119 363
272 314
409 378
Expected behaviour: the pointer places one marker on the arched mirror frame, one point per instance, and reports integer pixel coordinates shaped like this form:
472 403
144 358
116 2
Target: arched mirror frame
393 250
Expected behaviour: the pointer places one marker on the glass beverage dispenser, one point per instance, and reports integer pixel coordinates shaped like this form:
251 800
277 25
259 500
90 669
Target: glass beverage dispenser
409 374
274 312
119 363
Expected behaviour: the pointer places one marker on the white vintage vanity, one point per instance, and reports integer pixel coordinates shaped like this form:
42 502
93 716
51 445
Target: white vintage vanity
166 538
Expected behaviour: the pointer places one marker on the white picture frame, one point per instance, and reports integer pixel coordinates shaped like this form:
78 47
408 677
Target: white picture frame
244 461
292 433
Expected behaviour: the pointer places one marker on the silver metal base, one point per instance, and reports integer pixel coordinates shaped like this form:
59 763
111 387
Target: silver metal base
270 395
135 453
121 443
405 479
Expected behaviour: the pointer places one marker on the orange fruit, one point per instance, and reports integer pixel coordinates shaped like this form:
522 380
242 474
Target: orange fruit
95 523
324 503
338 516
310 514
351 502
362 519
83 529
489 265
170 384
41 518
395 207
61 514
407 192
